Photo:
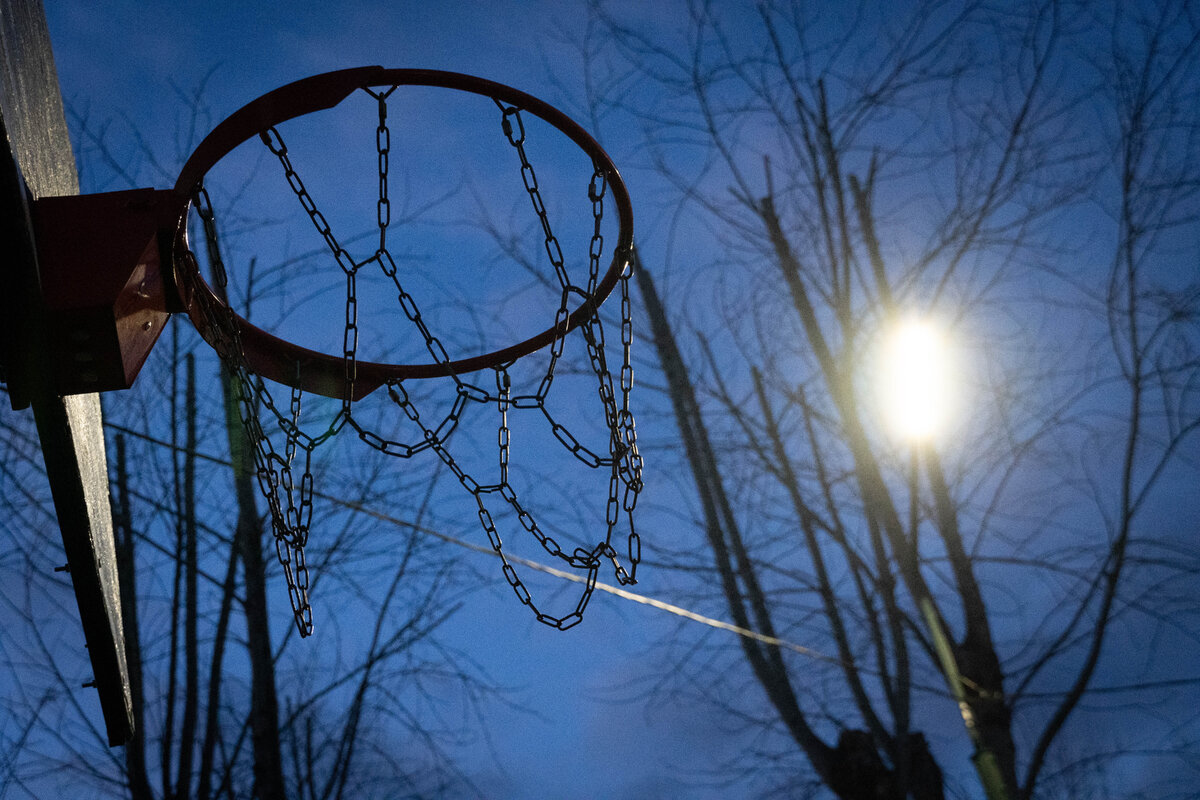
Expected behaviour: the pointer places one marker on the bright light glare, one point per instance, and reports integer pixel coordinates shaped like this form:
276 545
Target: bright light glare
916 390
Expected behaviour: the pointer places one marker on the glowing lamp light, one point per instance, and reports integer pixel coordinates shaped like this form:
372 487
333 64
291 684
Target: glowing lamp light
916 388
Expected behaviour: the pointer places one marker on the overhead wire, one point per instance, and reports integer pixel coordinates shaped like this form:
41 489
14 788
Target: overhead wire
617 591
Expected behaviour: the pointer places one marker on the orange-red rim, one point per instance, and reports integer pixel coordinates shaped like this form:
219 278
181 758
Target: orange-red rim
292 365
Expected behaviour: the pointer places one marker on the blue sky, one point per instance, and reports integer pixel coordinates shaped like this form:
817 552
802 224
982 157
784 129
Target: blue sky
592 729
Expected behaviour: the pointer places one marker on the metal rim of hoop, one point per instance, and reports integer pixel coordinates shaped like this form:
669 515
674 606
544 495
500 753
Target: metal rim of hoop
292 365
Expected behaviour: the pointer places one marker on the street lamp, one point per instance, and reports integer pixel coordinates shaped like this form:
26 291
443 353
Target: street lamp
916 380
917 392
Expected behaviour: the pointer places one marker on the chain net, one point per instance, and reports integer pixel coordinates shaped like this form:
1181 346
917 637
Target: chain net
285 473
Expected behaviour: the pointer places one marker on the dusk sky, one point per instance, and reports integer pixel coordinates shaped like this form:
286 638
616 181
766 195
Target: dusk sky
613 707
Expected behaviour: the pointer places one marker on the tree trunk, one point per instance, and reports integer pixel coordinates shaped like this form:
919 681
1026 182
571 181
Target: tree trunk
264 702
768 667
135 751
191 658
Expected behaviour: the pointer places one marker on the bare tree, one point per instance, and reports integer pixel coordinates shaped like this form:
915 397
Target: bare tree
855 167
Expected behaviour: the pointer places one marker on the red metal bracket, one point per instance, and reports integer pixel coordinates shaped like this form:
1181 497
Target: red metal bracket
100 259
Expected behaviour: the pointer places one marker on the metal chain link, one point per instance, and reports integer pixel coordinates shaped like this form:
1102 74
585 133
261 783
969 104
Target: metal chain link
291 505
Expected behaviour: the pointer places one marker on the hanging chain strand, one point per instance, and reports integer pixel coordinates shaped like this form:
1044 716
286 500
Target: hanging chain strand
290 503
289 523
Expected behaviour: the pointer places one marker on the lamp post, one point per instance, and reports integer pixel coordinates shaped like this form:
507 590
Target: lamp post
917 391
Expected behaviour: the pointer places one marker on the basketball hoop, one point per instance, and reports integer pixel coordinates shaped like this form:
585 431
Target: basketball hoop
252 355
